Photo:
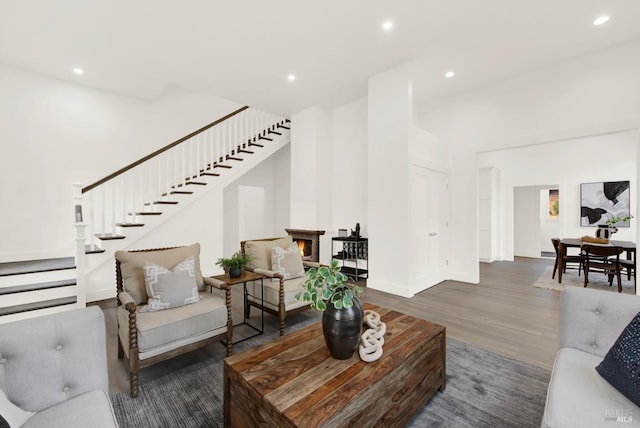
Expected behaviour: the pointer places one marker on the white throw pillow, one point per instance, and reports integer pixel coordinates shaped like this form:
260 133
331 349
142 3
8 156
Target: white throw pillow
287 262
11 413
170 288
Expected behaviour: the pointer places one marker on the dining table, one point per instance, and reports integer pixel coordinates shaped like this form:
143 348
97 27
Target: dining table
565 243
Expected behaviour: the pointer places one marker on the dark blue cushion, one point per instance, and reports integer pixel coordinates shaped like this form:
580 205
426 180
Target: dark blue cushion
621 365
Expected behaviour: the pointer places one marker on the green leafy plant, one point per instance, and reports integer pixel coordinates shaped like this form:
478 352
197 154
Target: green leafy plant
327 283
615 220
237 260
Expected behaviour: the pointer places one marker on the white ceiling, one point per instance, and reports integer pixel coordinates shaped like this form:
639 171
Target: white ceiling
244 50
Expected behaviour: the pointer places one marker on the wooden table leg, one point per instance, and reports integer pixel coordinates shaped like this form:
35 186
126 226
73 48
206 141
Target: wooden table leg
561 253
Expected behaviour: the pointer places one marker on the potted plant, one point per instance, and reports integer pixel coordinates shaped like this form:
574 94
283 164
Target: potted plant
329 291
234 264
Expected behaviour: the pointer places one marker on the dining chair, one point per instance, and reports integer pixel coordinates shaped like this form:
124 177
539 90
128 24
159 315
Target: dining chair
602 259
568 259
630 266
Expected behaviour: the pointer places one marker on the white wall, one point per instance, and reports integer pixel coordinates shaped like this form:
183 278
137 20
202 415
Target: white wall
389 118
567 163
55 133
309 129
488 213
349 175
329 172
273 176
579 97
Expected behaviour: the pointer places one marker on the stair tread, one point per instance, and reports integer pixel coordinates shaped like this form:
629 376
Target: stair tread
39 286
92 249
34 266
9 310
129 224
181 192
108 236
199 183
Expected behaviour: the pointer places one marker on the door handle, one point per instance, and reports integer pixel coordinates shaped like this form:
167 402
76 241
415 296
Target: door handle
433 234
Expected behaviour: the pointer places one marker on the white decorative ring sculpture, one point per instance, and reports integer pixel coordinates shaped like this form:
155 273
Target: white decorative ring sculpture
372 339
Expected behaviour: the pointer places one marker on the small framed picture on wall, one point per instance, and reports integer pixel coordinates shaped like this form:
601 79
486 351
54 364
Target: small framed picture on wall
604 200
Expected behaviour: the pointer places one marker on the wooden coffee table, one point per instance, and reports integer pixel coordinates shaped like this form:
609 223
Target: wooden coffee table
292 381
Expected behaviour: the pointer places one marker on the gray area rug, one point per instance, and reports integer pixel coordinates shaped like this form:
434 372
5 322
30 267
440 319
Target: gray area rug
483 390
570 277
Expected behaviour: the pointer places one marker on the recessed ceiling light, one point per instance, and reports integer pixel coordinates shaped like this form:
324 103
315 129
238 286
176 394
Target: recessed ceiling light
387 25
449 74
601 20
291 77
78 70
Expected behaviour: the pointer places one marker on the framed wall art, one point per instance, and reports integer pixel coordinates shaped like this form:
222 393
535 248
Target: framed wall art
604 200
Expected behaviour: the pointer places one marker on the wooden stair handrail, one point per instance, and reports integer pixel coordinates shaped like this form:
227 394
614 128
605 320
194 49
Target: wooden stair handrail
159 151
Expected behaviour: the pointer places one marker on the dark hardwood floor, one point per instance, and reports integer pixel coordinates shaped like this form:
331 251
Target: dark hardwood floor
504 313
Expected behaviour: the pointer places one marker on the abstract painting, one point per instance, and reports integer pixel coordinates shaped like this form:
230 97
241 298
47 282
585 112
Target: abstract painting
602 201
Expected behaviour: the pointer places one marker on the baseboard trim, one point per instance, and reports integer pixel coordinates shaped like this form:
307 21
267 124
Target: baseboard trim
387 287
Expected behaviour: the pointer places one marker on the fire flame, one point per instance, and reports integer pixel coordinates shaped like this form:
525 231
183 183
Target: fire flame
301 247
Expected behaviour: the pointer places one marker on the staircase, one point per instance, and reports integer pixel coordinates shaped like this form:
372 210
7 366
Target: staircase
120 209
37 287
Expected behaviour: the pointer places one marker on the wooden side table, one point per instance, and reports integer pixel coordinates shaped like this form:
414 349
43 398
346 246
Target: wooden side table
247 276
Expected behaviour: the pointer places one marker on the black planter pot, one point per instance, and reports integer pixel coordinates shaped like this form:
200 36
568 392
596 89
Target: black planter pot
235 272
342 329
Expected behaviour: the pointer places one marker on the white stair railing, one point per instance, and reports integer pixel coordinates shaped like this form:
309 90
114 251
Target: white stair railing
117 200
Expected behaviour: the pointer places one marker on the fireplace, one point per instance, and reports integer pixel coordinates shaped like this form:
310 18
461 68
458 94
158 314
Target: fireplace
308 241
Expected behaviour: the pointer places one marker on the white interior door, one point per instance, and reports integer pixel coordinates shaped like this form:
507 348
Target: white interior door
526 221
251 212
429 193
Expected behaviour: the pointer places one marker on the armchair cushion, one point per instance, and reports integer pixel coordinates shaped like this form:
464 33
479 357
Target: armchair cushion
260 251
90 409
287 262
13 415
621 365
132 273
157 329
272 291
170 288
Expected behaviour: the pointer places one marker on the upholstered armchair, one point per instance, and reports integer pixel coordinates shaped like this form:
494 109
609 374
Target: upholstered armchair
286 272
53 371
164 309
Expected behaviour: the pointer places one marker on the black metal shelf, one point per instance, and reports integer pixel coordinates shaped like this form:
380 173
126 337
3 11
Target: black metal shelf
354 273
354 250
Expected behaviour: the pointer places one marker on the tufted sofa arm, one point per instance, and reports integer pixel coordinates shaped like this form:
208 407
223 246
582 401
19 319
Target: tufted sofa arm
591 321
47 360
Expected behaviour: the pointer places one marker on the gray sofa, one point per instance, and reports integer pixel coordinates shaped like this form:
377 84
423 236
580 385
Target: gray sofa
590 322
56 366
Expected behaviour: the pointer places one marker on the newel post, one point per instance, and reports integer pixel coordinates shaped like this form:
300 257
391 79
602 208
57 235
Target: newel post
80 226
